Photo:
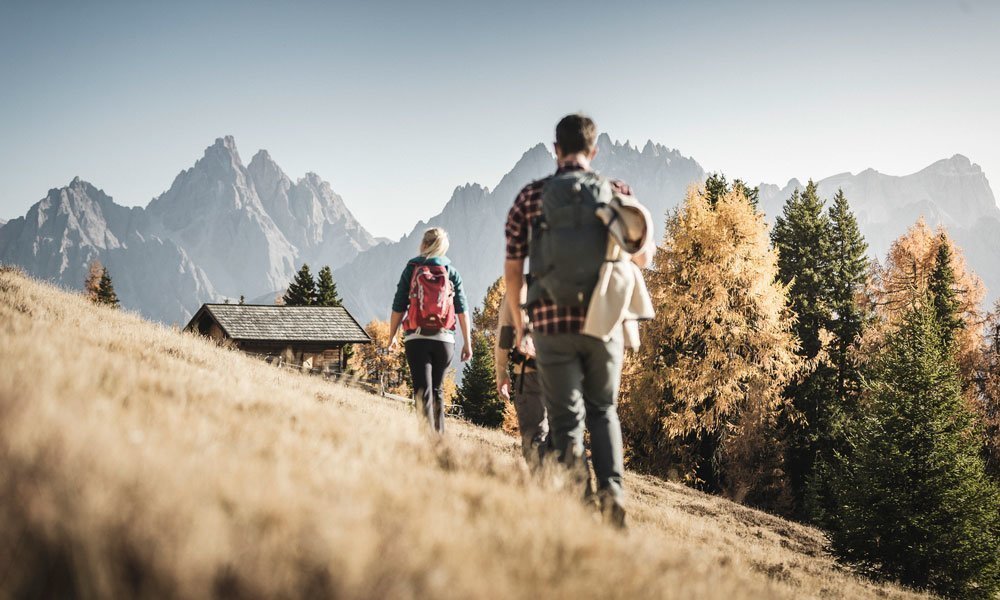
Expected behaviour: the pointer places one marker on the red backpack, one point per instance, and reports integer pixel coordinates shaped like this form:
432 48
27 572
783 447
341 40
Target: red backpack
432 299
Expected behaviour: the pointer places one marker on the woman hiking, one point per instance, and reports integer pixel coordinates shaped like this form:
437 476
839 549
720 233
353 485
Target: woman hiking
429 302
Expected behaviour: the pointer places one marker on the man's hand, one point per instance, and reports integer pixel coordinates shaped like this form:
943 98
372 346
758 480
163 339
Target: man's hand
525 345
503 387
466 351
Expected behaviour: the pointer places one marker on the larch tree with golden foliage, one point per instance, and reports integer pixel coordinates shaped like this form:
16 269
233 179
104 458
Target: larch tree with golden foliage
703 394
92 284
906 277
376 362
487 318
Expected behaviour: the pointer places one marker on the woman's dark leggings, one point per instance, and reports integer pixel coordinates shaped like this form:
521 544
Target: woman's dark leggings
429 359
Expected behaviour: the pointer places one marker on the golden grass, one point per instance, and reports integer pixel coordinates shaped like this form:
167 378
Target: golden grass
136 461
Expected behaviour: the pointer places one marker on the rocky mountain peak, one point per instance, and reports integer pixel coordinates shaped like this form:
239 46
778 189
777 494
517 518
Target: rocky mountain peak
221 159
956 165
263 163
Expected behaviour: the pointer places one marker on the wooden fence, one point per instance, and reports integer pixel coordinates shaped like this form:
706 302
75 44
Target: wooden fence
373 385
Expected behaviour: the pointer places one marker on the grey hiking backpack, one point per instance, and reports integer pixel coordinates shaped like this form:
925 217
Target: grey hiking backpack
568 242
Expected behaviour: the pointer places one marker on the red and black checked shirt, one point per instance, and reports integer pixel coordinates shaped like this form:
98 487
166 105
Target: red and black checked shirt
546 316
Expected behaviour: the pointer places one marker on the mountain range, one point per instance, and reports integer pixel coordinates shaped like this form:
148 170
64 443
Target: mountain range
224 230
221 230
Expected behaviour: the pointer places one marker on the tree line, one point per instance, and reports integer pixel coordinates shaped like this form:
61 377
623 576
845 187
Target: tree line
788 371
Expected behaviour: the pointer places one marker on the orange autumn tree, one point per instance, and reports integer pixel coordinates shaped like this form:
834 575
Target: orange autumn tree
485 321
702 396
375 362
904 280
91 286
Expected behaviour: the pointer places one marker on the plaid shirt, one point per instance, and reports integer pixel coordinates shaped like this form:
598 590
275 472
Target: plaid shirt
546 316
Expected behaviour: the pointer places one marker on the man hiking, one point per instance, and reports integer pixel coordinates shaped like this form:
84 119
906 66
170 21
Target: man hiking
554 223
525 390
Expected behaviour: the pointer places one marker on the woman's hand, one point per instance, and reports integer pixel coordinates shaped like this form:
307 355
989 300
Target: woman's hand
466 351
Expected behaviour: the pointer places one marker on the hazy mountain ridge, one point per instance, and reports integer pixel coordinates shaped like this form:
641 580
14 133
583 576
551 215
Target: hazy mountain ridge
224 229
210 235
474 218
952 192
74 225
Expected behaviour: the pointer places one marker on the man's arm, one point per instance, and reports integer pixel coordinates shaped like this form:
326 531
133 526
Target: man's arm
513 277
501 357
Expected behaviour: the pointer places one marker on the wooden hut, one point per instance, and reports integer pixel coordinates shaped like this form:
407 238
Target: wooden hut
310 336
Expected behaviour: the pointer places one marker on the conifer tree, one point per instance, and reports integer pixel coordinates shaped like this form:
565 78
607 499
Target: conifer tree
802 237
822 260
988 381
326 289
326 295
702 394
478 393
941 285
918 506
716 186
106 291
840 372
849 267
302 290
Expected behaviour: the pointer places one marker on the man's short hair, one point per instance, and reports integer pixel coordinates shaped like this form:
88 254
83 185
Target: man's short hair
576 133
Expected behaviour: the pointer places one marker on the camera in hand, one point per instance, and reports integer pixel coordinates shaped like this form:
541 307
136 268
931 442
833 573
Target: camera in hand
519 358
507 341
507 338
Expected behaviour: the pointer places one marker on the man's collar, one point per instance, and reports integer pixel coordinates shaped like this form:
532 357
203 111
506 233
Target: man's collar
570 165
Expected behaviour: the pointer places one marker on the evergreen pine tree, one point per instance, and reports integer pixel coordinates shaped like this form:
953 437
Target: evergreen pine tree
302 290
716 186
848 272
106 291
801 236
478 393
918 506
941 285
849 268
326 295
326 289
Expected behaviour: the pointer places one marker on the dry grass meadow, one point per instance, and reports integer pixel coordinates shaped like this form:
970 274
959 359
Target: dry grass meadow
139 462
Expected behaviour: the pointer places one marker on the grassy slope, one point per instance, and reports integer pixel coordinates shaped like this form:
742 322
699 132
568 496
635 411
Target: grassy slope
136 461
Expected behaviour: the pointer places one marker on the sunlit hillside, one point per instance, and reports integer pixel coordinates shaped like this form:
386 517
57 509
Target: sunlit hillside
136 461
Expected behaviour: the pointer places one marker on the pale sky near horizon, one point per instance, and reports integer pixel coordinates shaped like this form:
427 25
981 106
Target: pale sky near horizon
397 103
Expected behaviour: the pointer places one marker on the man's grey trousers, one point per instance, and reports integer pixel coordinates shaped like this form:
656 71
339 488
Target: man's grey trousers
532 421
580 377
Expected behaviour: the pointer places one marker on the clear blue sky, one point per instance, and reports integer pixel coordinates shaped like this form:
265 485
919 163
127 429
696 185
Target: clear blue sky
396 103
